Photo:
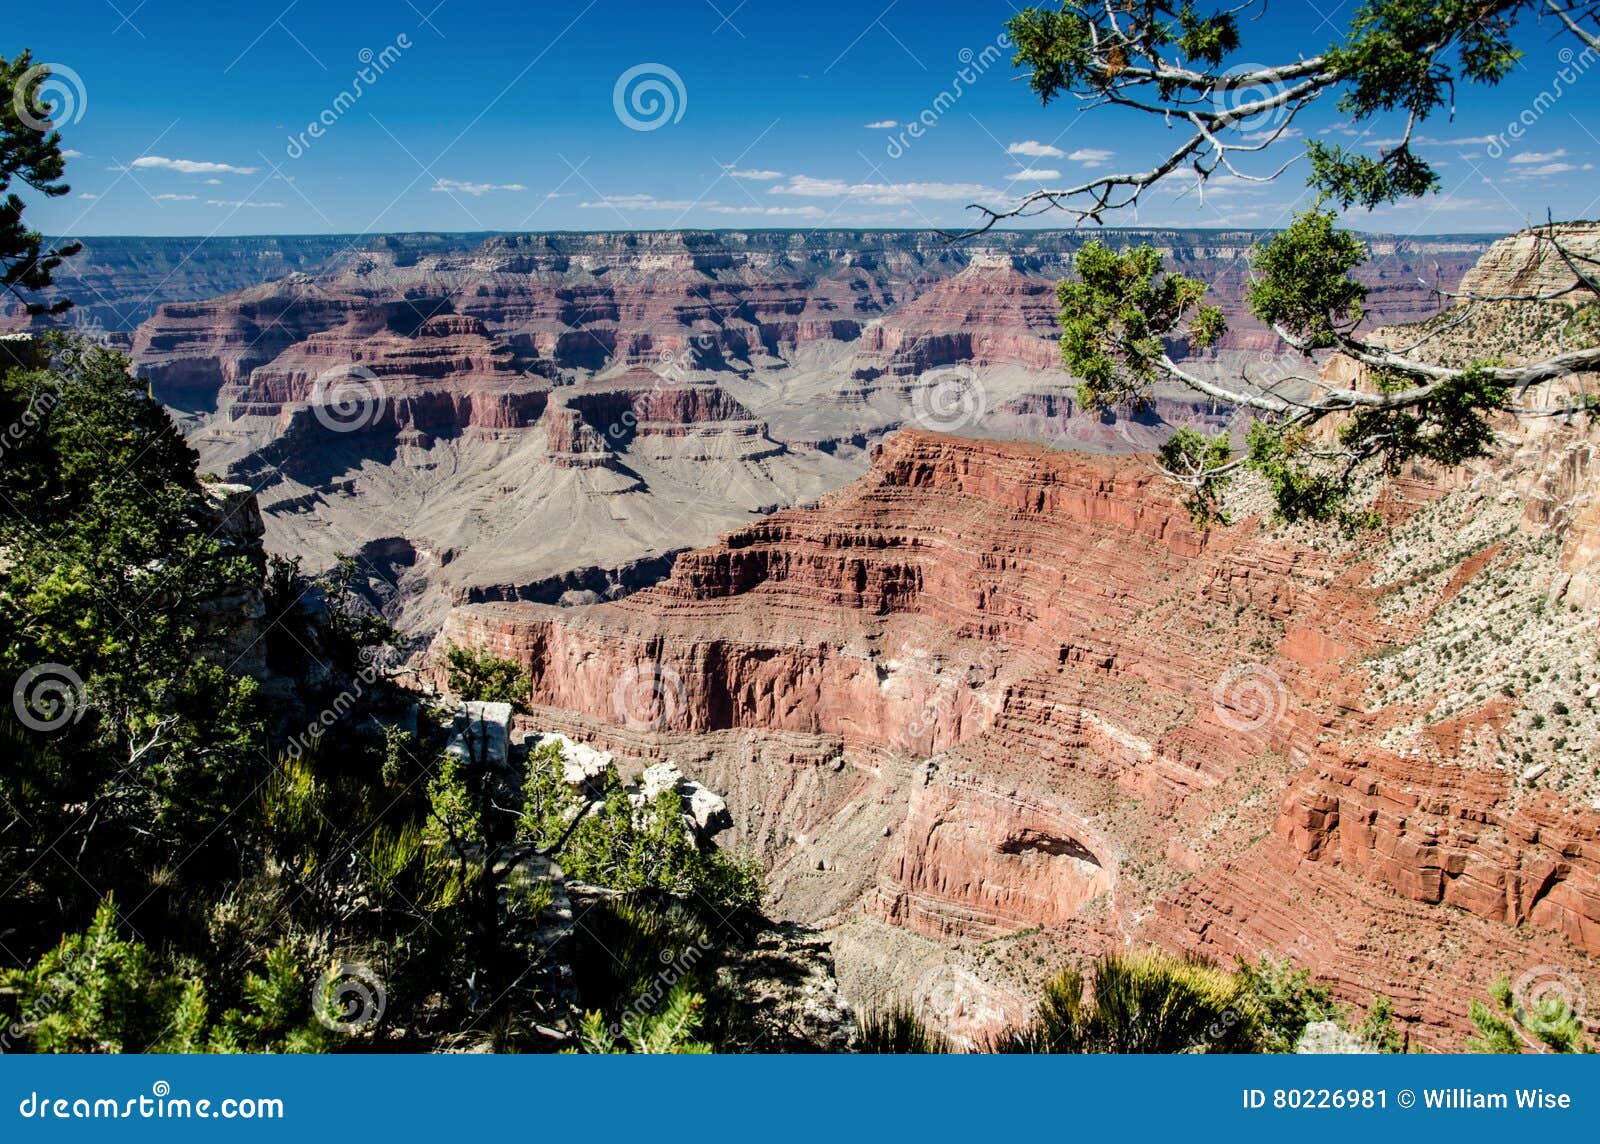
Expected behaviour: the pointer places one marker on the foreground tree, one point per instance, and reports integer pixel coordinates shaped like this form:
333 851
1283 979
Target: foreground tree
128 744
1398 59
30 152
99 993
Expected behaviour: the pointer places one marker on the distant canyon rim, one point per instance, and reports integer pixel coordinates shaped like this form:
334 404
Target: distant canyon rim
554 417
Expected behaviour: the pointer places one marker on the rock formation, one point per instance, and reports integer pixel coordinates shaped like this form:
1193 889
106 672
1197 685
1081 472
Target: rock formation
530 416
1008 700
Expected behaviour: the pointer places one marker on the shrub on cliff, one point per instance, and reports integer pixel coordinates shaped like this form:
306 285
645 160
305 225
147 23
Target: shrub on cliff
136 744
1286 1000
1152 1002
671 1029
601 836
482 675
1513 1024
899 1030
100 993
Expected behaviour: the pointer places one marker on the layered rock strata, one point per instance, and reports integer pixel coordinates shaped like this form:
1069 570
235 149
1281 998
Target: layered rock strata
993 691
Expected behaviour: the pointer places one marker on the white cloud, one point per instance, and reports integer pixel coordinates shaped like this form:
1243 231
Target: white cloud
883 194
69 153
768 212
191 166
474 189
758 175
1430 141
1181 186
1036 150
882 125
238 203
1090 156
639 203
1526 157
1039 174
87 195
1434 205
169 198
1544 169
644 202
1272 133
820 188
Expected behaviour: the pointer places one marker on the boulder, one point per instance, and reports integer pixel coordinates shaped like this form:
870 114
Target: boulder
482 733
1328 1037
658 778
708 809
704 811
581 764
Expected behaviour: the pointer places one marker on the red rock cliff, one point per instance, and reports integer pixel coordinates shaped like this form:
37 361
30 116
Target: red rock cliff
1027 692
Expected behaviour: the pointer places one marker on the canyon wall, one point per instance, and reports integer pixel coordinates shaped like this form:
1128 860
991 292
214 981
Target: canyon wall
1008 699
500 415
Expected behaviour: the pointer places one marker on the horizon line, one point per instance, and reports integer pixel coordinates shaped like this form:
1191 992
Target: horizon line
803 231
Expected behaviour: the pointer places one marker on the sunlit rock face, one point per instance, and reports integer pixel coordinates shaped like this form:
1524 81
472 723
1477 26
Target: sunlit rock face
993 691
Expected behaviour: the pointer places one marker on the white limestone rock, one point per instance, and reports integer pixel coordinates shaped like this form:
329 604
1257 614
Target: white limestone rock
482 733
1328 1037
581 764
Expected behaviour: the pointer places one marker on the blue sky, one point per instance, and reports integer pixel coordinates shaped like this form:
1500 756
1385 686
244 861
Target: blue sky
185 118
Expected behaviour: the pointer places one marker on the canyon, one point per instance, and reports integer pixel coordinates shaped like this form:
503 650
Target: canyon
997 703
554 417
817 518
1006 700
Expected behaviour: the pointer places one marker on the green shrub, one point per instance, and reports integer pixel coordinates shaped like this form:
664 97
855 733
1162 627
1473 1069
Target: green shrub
898 1029
607 841
99 993
1152 1002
